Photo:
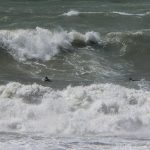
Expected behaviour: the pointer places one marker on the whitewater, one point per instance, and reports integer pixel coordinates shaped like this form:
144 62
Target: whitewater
96 55
42 43
99 109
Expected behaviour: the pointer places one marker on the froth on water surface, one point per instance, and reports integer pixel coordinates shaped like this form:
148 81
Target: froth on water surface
96 54
79 110
99 116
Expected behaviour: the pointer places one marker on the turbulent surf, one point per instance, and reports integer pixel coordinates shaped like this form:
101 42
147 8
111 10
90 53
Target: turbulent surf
96 55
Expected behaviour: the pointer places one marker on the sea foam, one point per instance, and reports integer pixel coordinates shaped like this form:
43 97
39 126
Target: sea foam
42 44
77 13
72 13
94 109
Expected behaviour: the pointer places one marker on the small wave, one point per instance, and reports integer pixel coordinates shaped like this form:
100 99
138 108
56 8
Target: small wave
75 110
72 13
76 13
43 44
128 14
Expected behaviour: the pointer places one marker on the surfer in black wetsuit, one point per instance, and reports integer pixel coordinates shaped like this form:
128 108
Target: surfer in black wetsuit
130 79
46 79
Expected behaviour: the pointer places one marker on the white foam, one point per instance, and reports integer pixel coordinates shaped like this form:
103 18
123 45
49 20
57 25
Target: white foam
72 13
94 109
76 13
85 38
41 43
128 14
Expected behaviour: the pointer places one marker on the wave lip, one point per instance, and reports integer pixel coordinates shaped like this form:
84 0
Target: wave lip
42 44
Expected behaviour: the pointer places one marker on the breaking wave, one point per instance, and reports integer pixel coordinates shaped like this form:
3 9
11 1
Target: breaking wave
93 109
43 44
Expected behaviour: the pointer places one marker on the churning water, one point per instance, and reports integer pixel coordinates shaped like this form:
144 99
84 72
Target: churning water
89 49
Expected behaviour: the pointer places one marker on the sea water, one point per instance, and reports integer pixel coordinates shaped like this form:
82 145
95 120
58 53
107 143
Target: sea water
89 49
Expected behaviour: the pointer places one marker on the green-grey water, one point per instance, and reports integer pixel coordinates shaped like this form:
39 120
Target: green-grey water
90 49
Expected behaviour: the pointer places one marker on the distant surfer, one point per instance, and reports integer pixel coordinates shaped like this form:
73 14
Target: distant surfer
131 79
46 79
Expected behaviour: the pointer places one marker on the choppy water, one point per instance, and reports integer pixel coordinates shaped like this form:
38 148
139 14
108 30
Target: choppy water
90 49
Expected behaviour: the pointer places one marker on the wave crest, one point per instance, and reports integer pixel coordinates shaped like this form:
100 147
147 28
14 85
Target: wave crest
42 44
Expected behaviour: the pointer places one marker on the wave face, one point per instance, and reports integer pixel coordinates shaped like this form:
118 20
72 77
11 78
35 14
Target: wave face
132 46
81 110
43 44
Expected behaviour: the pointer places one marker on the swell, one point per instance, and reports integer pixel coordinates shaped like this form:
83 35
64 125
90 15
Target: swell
28 55
132 46
43 44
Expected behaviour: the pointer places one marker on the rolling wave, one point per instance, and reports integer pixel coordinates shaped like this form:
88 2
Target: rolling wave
130 48
43 44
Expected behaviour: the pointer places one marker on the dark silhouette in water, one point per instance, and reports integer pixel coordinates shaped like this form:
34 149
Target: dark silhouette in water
130 79
46 79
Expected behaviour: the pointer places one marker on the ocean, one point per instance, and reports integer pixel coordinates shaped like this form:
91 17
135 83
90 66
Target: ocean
96 54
